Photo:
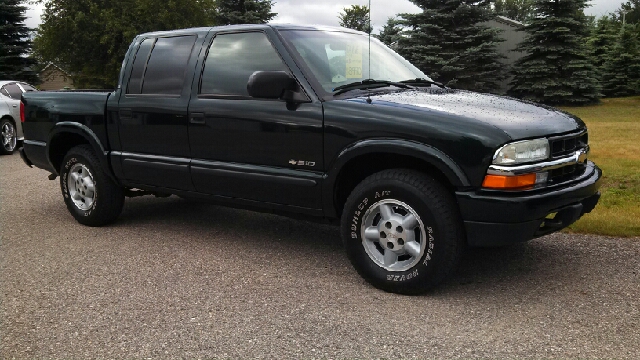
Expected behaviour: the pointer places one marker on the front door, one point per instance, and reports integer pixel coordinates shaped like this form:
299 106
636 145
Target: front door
262 150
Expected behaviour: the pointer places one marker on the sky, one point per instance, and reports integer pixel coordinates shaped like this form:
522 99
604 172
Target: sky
325 12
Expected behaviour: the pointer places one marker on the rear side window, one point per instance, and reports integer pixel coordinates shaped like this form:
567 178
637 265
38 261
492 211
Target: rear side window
14 91
167 65
139 63
233 58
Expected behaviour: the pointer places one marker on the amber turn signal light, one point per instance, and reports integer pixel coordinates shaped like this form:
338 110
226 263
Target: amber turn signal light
509 182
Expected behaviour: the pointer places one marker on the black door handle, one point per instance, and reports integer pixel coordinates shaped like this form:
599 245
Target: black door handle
197 118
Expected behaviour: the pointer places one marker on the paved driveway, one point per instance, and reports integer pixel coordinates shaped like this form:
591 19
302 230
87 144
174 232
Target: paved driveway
178 279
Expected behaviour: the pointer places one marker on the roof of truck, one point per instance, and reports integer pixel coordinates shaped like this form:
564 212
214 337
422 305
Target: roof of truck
251 27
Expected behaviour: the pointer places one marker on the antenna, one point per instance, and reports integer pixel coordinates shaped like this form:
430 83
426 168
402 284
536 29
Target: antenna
370 30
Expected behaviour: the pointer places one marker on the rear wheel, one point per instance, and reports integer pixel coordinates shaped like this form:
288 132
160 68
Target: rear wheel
92 197
8 136
402 231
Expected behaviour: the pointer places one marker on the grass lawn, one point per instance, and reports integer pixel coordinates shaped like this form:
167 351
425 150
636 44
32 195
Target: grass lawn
614 136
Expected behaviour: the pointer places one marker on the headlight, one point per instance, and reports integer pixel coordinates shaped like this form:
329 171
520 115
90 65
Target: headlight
522 152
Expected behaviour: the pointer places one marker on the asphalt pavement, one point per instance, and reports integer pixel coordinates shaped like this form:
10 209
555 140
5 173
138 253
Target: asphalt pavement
179 279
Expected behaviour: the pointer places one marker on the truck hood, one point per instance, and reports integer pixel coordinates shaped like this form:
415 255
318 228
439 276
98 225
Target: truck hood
518 119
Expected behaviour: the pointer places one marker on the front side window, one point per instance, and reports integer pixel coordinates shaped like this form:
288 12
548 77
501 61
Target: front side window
233 58
336 58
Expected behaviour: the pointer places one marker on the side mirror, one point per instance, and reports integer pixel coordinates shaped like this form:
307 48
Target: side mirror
274 85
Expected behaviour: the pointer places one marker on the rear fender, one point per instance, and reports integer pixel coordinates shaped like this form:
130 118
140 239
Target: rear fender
64 128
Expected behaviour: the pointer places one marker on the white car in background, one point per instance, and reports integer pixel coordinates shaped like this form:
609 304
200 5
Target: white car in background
10 125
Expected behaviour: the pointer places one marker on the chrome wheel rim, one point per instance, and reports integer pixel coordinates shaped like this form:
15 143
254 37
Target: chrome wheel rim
9 137
393 235
81 187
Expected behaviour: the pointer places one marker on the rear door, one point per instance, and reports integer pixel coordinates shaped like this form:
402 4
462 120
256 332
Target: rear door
256 149
152 116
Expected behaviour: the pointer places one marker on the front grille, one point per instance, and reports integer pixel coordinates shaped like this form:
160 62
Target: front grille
567 145
563 146
566 173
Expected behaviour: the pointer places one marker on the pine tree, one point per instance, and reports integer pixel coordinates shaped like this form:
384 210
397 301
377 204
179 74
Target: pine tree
230 12
15 44
621 70
556 69
390 33
356 17
602 40
448 42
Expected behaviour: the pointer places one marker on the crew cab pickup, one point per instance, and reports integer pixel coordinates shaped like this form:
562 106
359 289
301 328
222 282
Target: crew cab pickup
323 123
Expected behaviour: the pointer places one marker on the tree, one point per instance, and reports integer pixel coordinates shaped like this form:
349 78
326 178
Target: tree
356 17
390 33
231 12
630 12
448 42
89 38
621 70
15 44
556 69
520 10
602 40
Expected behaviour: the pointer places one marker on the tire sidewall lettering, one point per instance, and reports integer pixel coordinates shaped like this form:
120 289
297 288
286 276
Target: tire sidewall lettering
430 246
65 177
357 217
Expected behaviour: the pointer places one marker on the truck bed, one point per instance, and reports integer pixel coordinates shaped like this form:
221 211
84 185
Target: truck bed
47 112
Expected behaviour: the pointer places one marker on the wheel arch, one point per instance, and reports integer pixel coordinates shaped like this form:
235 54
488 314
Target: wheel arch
368 157
7 116
66 135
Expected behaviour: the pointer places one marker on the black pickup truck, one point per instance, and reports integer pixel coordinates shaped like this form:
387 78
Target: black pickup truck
323 123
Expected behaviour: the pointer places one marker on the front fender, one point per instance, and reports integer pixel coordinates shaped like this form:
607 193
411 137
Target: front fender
429 154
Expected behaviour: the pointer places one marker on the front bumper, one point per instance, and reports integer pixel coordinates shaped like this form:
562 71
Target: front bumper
494 218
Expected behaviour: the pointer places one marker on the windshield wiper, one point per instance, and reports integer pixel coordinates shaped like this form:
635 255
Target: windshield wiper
421 82
368 84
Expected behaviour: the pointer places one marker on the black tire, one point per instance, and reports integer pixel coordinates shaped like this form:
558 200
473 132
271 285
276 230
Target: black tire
438 234
105 200
9 144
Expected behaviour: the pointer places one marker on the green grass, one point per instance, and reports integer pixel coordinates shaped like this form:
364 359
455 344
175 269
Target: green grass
614 136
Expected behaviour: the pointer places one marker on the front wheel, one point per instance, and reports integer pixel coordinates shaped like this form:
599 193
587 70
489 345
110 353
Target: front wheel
91 196
402 231
8 136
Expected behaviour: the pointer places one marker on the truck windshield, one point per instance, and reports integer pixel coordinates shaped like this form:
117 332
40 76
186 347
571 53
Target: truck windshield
337 58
